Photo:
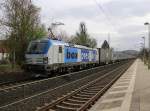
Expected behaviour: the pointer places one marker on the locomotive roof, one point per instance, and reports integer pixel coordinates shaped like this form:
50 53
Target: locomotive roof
59 42
53 42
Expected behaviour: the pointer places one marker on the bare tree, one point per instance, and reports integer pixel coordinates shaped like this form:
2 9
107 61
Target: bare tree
82 37
22 21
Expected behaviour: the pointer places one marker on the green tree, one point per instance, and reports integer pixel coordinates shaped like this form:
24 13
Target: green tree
22 21
83 38
92 43
38 32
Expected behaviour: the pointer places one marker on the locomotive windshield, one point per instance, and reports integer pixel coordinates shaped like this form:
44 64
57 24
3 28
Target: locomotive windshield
38 47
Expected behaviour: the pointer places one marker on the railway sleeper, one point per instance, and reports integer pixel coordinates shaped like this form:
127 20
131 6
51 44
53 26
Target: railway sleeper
80 98
90 91
87 93
75 101
100 84
83 95
72 105
94 89
64 108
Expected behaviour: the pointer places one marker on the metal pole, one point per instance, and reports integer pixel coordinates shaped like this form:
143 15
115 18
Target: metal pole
144 49
14 52
149 46
14 58
146 23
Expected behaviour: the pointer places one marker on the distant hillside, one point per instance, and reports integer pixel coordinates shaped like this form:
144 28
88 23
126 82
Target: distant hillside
131 52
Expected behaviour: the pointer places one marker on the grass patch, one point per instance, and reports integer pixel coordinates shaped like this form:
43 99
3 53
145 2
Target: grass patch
8 68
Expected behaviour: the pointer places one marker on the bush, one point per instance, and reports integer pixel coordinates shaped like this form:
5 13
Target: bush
4 62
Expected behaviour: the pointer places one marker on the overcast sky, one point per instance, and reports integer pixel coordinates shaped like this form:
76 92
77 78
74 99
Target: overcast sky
123 19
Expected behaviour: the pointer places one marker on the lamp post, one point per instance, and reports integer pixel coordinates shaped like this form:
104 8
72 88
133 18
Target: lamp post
143 49
146 23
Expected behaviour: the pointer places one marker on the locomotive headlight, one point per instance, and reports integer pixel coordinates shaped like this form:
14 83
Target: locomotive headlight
45 60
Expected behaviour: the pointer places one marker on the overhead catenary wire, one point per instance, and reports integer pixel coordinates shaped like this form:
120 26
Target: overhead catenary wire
106 16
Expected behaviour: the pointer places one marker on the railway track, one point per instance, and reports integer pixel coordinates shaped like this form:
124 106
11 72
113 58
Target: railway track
11 84
24 90
5 84
82 98
29 96
12 79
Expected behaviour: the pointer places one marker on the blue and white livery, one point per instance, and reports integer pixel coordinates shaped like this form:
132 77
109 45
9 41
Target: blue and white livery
51 55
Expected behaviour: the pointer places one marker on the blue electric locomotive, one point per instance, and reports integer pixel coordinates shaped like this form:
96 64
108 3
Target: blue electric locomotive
54 55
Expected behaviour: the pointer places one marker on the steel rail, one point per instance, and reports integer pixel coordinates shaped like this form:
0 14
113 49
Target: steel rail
56 103
39 99
99 94
21 92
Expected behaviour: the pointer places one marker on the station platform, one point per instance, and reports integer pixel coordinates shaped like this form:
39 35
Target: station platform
131 92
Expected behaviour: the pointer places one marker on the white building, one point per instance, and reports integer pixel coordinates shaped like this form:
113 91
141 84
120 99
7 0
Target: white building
3 52
3 56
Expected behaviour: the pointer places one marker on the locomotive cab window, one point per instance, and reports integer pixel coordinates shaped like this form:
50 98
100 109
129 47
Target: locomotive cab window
60 49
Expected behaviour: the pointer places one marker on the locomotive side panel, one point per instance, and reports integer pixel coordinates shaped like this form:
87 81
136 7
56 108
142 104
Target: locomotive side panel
55 54
79 55
70 54
85 55
60 54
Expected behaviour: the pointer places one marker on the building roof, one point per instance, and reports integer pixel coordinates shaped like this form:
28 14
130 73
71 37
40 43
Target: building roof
105 45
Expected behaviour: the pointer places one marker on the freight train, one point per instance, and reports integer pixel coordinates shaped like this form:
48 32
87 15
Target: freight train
47 55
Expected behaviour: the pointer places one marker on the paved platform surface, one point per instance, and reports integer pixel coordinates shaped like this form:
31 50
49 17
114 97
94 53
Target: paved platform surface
131 92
